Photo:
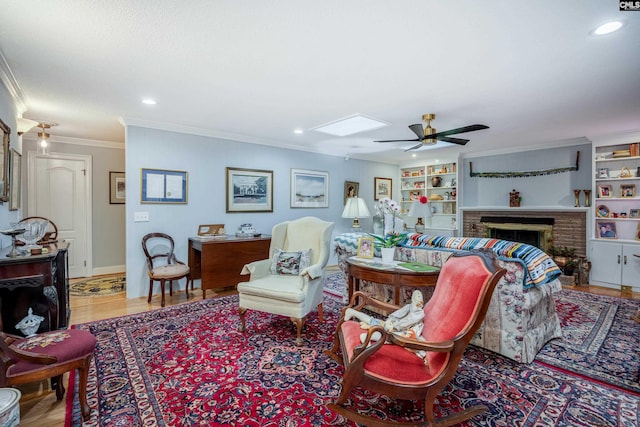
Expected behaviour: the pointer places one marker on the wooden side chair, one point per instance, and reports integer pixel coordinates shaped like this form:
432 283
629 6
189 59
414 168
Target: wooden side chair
451 318
162 263
48 355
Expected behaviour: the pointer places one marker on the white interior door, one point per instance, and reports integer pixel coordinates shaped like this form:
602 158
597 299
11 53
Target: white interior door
60 189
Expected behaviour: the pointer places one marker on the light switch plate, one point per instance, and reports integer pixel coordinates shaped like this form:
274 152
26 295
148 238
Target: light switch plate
141 216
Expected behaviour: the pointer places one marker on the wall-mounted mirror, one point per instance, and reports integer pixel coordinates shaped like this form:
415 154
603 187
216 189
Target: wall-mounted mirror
4 162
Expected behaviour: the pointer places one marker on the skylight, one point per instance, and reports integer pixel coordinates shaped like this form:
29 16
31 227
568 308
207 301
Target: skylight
350 125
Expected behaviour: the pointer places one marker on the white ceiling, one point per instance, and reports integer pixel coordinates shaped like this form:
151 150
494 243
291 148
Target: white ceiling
255 70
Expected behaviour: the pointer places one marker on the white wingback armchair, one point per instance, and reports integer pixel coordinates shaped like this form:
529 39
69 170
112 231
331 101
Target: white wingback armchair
284 284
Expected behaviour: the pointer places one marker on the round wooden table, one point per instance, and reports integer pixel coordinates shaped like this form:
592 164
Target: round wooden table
358 270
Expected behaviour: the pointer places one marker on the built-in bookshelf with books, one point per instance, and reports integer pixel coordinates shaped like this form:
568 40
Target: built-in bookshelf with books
615 244
412 186
442 194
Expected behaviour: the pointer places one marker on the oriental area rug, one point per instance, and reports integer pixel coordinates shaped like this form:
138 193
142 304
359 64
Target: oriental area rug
188 365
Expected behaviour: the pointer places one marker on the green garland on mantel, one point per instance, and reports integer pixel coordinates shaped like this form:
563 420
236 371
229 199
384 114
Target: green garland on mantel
524 174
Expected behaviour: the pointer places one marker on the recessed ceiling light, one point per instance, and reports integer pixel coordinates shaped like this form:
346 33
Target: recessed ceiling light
414 155
298 131
149 101
607 28
350 125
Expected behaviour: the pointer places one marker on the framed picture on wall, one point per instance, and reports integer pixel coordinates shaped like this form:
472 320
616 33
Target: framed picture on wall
351 189
163 186
309 189
117 188
15 168
382 188
249 190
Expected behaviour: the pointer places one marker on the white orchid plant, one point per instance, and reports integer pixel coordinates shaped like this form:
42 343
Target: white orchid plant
387 208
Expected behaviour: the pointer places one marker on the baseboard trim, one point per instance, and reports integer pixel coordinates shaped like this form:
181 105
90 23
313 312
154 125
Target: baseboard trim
113 269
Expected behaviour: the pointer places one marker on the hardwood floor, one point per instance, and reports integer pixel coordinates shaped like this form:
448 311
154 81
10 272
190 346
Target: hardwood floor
39 407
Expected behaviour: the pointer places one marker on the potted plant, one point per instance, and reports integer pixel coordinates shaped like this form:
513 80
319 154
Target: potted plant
387 244
570 267
562 255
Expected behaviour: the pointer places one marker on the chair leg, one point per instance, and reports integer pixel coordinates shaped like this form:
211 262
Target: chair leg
150 290
186 287
241 312
170 288
320 313
83 375
299 324
58 385
162 290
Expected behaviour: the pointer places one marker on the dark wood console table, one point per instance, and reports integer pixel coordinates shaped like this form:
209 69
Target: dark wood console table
397 277
218 262
39 282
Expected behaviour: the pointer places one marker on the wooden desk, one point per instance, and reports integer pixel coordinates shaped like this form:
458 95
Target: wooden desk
396 277
39 282
218 262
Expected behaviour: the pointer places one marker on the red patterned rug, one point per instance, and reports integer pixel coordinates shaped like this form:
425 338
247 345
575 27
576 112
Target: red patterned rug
187 365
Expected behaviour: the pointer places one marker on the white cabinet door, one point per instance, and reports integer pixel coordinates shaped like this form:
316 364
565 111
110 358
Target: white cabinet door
606 263
631 266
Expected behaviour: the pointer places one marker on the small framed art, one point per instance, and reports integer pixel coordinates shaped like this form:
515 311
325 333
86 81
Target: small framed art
607 230
627 190
249 190
603 173
634 213
309 189
605 191
117 188
638 232
163 186
365 247
351 189
382 188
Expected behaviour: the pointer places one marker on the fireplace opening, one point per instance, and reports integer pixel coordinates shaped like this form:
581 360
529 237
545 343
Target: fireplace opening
537 232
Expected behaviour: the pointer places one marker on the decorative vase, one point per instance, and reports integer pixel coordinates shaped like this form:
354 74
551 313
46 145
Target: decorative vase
587 198
436 181
576 203
387 254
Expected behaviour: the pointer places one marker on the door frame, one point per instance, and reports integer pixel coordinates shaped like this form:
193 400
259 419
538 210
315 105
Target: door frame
32 156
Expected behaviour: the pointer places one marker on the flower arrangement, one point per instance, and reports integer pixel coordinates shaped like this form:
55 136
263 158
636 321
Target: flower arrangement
389 210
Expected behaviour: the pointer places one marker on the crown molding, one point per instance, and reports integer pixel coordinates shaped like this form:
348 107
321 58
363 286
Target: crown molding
32 137
12 85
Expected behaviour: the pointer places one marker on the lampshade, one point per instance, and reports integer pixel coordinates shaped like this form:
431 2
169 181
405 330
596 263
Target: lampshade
24 125
355 208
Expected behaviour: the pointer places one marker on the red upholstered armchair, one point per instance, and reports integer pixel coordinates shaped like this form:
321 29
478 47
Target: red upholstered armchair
48 355
451 317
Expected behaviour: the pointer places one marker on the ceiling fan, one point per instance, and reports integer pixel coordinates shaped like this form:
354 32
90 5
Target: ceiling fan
428 135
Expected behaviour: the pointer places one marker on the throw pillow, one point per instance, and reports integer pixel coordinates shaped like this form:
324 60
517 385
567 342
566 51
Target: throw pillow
291 263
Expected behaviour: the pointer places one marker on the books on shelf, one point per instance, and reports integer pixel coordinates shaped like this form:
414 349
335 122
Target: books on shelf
634 149
418 266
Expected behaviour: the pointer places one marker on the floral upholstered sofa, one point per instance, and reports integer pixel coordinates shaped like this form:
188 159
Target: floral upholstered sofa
522 315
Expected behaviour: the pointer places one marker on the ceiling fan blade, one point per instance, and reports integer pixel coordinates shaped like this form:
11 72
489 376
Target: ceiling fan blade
464 129
414 147
417 129
398 140
458 141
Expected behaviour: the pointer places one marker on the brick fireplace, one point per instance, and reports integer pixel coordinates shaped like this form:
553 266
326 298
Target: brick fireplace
557 227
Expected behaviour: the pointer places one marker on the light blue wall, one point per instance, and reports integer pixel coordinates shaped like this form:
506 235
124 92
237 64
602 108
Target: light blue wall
536 191
8 116
205 160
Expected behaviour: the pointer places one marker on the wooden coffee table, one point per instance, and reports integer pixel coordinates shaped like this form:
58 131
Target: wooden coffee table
358 270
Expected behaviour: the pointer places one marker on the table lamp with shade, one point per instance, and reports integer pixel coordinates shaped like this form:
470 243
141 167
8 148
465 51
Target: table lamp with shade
420 209
355 208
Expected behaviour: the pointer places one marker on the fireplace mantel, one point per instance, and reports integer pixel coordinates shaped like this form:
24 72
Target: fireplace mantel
569 228
525 209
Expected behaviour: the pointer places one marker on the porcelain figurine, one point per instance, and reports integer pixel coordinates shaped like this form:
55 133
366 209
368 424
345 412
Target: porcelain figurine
29 325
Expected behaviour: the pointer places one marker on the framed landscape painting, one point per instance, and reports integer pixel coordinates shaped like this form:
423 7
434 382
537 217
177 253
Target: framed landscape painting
382 188
249 190
309 189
